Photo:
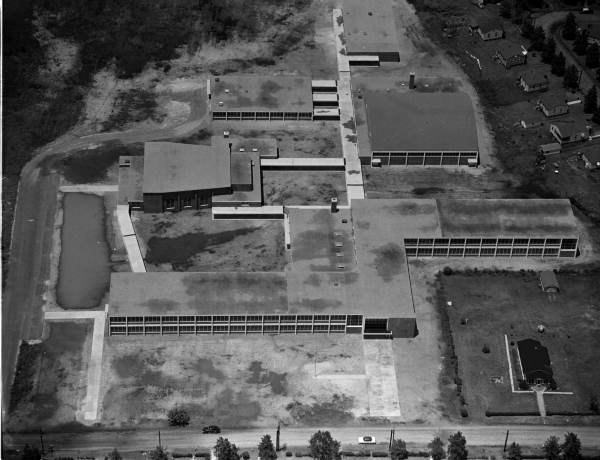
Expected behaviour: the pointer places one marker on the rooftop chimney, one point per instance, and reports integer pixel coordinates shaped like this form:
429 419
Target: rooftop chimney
411 81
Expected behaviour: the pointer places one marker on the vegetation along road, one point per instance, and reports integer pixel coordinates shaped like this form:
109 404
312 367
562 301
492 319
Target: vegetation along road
476 435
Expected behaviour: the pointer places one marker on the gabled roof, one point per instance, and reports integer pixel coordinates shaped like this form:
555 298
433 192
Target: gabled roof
535 359
488 25
532 77
507 49
552 100
568 127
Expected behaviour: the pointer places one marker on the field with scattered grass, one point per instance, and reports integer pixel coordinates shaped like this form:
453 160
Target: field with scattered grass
234 382
192 241
488 305
51 378
303 187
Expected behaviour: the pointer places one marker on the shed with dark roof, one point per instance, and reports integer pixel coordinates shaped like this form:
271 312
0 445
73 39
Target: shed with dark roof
535 362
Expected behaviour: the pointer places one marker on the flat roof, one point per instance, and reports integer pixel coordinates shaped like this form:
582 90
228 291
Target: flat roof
254 196
131 179
510 218
369 26
241 169
267 147
173 167
420 121
256 93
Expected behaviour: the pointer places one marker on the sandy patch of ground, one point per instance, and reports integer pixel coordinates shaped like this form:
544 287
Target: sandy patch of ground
229 381
303 188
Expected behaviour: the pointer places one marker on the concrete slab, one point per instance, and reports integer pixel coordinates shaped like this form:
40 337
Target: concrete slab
134 254
333 164
89 188
379 368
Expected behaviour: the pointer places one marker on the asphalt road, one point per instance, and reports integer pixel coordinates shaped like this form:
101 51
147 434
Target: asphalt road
476 435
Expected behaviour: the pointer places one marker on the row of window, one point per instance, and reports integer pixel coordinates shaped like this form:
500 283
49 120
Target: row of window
186 201
425 158
350 320
226 329
562 243
488 252
262 115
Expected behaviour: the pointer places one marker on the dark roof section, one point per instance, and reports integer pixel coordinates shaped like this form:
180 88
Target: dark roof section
535 360
171 167
241 169
130 179
488 25
552 100
369 26
508 49
548 280
568 128
257 93
417 121
532 77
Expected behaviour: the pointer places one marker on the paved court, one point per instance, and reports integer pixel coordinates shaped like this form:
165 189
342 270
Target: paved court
381 374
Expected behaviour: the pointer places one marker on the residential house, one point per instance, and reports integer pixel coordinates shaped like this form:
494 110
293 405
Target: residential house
553 105
491 29
568 131
510 55
592 159
535 363
534 81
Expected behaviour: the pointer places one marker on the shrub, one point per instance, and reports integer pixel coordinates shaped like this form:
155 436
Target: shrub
245 455
178 416
288 454
447 271
485 349
523 385
464 412
347 453
379 454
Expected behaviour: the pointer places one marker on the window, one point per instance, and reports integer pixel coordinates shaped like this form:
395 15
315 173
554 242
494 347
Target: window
425 241
238 328
305 318
220 329
135 319
519 252
504 241
152 319
203 329
424 252
321 328
271 329
117 330
237 319
471 252
338 318
487 252
536 241
550 252
254 329
152 329
411 252
321 318
503 252
135 330
535 252
186 319
442 241
568 244
187 201
187 329
118 319
221 319
488 242
304 328
354 320
288 329
456 252
169 330
169 319
254 319
288 318
473 241
440 252
552 241
521 242
457 242
271 318
204 319
567 253
338 328
170 203
410 241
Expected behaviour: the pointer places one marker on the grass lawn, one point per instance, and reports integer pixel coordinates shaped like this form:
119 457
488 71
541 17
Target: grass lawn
51 379
234 382
192 241
512 303
303 187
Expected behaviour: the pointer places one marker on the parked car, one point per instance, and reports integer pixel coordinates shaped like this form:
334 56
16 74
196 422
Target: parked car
211 429
366 440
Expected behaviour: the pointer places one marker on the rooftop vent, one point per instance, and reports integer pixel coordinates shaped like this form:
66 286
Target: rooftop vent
226 134
242 149
340 266
226 91
255 150
220 103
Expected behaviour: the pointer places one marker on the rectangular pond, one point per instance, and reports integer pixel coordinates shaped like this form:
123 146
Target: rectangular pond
84 270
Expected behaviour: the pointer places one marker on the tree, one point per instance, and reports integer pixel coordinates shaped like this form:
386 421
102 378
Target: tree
549 50
580 44
505 9
592 60
266 450
457 447
590 103
178 416
31 453
594 403
570 28
114 455
225 450
436 449
514 452
571 78
596 116
571 448
323 446
538 38
398 450
558 65
552 448
158 454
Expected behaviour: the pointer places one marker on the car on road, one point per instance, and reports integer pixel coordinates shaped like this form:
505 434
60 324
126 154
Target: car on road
366 440
211 429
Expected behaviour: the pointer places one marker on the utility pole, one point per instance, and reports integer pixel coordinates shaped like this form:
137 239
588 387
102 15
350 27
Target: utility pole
392 435
277 438
505 441
42 441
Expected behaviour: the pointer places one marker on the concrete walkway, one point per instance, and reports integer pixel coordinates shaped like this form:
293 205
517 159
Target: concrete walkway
380 370
134 254
89 188
248 212
539 397
354 179
94 374
324 164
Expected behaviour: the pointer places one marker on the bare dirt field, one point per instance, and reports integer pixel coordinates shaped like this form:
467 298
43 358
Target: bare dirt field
487 305
51 379
234 382
303 187
192 241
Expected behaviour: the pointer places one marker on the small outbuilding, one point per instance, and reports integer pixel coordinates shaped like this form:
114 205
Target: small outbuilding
549 149
548 281
491 29
568 131
553 105
535 363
